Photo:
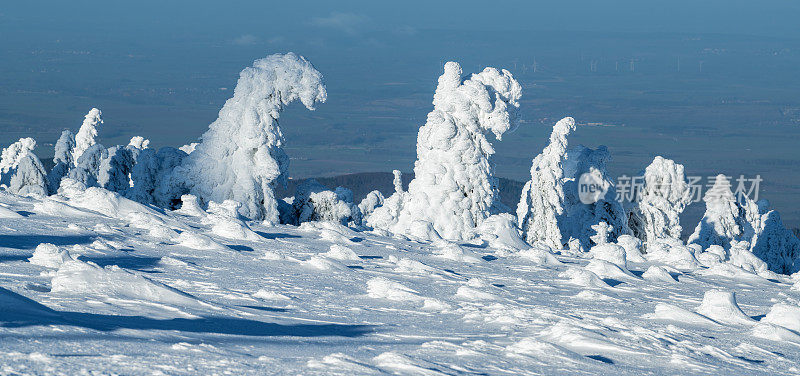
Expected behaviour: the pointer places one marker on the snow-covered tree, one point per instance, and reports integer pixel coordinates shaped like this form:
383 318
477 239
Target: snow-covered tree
454 188
139 142
583 210
775 244
542 200
114 172
372 201
87 166
85 138
660 201
241 156
551 211
29 177
151 177
724 219
12 155
63 160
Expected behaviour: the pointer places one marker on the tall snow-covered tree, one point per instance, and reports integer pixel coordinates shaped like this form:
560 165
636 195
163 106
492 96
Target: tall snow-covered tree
241 156
454 188
63 160
660 201
542 200
550 210
775 244
85 138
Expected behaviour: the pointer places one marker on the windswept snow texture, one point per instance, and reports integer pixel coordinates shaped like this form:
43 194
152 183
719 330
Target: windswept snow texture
454 188
241 156
94 283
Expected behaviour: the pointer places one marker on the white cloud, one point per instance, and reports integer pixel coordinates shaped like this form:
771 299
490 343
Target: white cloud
349 23
245 40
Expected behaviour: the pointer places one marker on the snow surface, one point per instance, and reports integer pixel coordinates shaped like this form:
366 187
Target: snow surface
118 287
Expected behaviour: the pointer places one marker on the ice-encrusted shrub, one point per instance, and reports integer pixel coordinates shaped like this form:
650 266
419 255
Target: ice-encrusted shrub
314 202
454 188
241 156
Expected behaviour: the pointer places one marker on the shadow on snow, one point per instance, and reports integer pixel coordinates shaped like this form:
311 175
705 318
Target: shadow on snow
18 311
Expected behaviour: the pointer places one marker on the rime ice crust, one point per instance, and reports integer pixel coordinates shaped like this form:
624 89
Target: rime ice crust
241 156
454 188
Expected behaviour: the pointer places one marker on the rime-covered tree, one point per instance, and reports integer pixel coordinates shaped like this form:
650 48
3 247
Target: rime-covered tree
152 177
724 219
542 200
13 154
63 160
551 211
454 188
241 156
660 201
85 138
22 170
29 177
87 166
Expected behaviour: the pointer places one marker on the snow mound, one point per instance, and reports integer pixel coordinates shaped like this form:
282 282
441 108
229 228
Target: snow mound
49 256
190 206
658 274
100 200
775 333
721 306
269 295
612 253
501 232
8 213
665 311
585 278
224 221
342 253
382 288
633 248
605 269
454 252
540 254
469 293
785 315
80 278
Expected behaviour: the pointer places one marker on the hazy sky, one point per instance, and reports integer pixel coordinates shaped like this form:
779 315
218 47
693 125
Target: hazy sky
207 19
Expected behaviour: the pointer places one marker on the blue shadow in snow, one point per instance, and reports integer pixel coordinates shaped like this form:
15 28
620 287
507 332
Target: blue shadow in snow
31 241
12 258
17 311
276 235
240 248
128 262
